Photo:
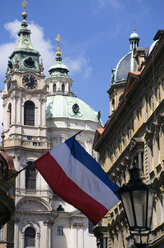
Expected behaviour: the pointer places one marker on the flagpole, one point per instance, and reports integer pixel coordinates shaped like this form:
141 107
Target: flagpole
16 174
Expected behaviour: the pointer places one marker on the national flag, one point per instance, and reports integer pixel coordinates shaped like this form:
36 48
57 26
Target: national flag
78 179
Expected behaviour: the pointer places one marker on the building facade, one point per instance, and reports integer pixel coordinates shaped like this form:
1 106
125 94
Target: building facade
135 132
39 114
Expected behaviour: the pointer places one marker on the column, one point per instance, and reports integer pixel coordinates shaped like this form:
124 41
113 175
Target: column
39 113
19 110
21 243
43 112
38 240
13 111
16 234
47 224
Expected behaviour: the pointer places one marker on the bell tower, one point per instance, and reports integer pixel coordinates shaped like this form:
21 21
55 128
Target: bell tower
24 96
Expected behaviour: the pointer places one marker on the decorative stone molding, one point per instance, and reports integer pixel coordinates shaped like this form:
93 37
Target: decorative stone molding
136 144
77 225
149 137
155 127
48 222
161 121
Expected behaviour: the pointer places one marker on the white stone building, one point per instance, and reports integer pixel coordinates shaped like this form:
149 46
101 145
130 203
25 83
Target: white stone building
38 115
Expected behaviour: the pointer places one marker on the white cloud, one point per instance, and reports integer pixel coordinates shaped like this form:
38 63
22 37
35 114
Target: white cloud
80 64
44 46
39 42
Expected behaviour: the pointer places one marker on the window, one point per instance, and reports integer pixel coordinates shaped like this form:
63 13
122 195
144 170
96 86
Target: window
2 233
29 237
59 230
63 88
10 231
9 111
29 109
30 177
90 227
54 88
113 105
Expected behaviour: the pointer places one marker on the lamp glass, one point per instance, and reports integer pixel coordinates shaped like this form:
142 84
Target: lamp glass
140 206
126 199
150 208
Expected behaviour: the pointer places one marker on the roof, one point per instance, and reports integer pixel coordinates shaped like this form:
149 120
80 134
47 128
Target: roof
59 65
71 107
9 160
126 64
134 35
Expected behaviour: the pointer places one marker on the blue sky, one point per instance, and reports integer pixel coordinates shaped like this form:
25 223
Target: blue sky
94 36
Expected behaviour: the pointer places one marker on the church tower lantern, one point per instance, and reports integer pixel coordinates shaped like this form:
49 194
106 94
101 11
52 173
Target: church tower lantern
59 81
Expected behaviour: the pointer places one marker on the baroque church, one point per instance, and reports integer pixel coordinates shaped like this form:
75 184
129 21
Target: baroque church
39 114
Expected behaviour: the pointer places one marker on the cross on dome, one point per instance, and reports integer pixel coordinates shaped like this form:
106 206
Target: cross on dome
24 5
58 38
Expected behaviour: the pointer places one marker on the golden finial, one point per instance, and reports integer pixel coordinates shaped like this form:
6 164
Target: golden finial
58 47
24 5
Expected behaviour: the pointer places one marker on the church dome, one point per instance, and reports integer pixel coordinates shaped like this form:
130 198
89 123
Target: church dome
134 35
126 64
58 68
71 107
152 46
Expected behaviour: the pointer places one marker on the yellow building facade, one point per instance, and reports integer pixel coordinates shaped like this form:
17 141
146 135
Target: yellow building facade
135 130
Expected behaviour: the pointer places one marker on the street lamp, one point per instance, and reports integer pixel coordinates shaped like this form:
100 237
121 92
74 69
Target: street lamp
137 199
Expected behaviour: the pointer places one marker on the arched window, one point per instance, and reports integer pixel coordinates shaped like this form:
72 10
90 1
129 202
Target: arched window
113 105
63 88
30 177
29 113
29 239
9 112
54 88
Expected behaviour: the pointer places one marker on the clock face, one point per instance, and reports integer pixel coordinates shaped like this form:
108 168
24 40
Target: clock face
29 81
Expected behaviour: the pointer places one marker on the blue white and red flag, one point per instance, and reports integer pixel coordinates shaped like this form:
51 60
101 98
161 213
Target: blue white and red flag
78 179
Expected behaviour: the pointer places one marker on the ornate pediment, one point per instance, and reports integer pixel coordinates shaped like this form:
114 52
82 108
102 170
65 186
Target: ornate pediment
32 205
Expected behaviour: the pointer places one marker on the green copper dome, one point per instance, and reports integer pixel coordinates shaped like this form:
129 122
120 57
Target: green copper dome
24 57
58 69
59 106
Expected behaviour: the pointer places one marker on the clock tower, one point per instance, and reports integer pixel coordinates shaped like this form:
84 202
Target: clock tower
24 96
